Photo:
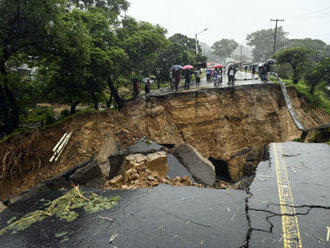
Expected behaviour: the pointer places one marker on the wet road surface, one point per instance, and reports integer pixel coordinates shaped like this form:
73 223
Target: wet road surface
242 79
287 205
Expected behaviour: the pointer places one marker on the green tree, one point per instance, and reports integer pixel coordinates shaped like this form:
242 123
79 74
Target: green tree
319 74
262 42
23 27
224 48
321 49
297 58
142 42
172 54
189 46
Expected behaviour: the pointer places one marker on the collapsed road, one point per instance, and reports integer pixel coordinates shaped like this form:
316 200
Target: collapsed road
287 205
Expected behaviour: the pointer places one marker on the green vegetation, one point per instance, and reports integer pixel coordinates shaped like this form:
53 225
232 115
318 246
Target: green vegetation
78 52
319 99
224 48
297 58
63 208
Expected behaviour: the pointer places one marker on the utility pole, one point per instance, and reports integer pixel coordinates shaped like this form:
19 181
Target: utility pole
196 36
241 53
275 36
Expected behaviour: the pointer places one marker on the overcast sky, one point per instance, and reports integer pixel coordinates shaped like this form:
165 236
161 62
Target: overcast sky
236 18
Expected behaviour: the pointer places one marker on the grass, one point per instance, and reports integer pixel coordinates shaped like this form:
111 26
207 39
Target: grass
318 100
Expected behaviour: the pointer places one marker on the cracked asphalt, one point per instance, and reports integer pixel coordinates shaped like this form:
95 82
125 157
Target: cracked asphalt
182 217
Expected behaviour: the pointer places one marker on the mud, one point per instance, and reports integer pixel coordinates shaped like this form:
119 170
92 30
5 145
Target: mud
219 123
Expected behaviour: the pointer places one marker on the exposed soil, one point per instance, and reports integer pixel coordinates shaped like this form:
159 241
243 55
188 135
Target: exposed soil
219 123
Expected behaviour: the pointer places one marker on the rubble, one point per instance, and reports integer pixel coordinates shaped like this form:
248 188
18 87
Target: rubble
146 171
201 169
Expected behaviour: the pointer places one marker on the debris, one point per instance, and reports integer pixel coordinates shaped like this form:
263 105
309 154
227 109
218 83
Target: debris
63 208
60 235
290 155
293 170
105 218
113 237
60 146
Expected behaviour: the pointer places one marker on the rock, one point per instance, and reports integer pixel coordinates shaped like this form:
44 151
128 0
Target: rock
86 174
116 180
157 162
2 207
201 168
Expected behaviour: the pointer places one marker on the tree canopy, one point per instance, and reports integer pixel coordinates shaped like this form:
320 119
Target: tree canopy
262 42
297 58
224 48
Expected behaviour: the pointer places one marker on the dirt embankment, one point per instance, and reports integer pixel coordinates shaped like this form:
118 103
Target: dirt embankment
217 122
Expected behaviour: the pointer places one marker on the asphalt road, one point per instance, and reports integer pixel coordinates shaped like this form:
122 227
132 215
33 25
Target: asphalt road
287 205
297 176
242 78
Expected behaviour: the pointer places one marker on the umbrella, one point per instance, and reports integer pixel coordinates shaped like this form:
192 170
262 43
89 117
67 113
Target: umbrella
146 79
176 67
218 66
187 67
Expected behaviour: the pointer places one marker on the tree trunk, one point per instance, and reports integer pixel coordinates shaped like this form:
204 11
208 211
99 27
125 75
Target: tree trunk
9 110
73 107
114 93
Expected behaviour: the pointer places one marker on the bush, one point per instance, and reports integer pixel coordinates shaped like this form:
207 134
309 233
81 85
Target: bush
65 113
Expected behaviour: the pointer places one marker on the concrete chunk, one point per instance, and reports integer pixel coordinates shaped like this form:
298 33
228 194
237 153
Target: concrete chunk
201 169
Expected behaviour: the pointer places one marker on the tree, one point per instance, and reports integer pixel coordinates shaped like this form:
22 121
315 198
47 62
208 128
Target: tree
321 49
224 48
262 42
172 54
22 31
319 74
142 42
189 46
296 57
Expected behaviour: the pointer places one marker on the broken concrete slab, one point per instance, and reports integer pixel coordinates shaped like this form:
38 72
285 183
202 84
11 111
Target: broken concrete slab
201 168
144 146
176 169
85 174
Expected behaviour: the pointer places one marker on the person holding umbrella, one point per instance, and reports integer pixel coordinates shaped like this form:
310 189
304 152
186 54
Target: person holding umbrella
187 76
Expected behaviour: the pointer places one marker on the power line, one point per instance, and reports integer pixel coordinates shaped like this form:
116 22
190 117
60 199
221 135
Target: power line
313 12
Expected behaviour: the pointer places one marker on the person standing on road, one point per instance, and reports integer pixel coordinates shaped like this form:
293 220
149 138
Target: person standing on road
231 75
136 87
147 86
253 70
187 79
177 78
197 77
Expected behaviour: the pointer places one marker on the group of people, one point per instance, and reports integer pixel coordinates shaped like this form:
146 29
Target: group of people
176 77
263 70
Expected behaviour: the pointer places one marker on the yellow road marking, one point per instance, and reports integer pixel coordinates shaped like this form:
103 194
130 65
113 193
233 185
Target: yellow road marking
290 225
